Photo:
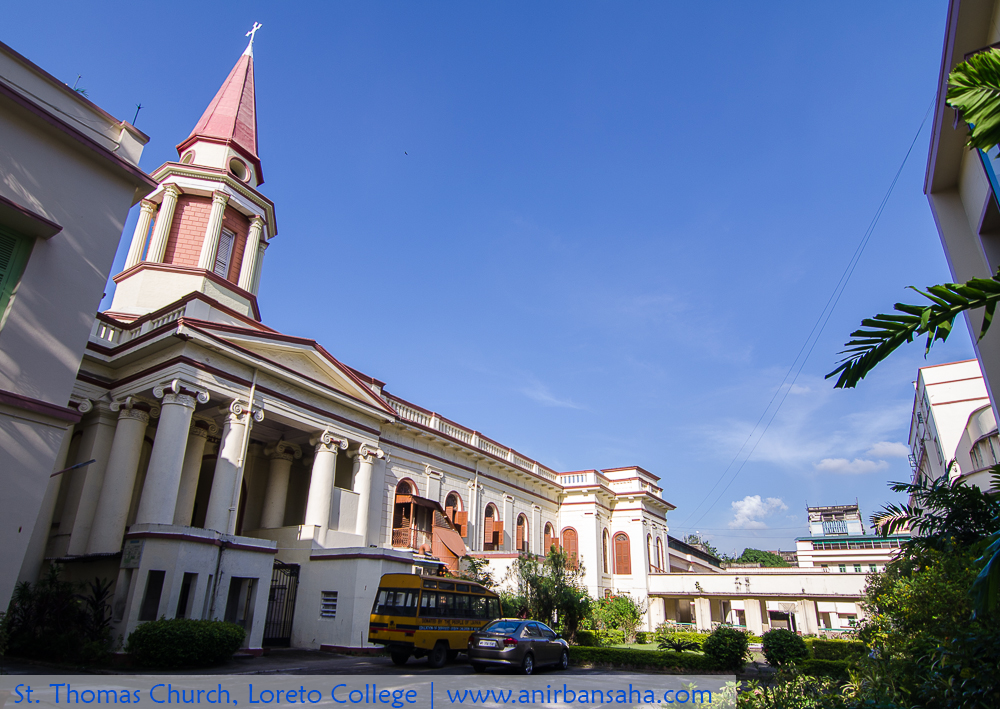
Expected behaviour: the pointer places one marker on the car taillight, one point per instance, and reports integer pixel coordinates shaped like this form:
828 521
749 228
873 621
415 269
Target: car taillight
509 642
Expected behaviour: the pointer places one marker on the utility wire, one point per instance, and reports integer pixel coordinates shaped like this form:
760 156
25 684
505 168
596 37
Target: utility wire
817 330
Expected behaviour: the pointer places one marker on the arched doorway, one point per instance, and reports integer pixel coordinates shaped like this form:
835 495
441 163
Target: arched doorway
522 534
492 529
571 545
549 537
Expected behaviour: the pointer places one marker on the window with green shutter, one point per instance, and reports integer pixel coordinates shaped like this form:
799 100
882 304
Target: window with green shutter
14 252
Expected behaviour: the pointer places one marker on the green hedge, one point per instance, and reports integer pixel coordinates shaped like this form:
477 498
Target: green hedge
181 642
837 669
696 638
643 638
640 659
587 638
823 649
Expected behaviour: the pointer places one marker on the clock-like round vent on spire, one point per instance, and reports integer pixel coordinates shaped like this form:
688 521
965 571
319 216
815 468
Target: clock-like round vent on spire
188 157
239 170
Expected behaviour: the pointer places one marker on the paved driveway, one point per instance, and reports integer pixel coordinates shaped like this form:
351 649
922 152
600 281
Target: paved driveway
300 662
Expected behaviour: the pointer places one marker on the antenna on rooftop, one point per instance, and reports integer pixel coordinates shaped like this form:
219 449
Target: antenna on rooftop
138 107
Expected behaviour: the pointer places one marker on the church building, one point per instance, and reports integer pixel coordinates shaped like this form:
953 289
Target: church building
246 474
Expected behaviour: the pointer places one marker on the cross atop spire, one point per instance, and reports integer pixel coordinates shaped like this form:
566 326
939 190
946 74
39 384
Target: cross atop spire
249 50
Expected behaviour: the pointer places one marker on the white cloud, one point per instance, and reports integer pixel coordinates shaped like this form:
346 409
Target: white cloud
850 467
536 391
886 449
799 389
749 513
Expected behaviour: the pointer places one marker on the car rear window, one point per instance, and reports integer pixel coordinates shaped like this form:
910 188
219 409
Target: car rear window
503 626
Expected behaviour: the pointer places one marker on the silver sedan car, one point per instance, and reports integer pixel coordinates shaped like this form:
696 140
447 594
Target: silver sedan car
517 644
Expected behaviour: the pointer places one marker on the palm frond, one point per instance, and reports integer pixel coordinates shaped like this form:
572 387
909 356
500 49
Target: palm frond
974 89
885 333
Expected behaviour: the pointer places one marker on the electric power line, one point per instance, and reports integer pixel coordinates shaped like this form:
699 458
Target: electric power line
821 321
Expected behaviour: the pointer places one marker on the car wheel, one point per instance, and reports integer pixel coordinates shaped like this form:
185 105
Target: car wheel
439 655
399 658
564 660
478 666
528 664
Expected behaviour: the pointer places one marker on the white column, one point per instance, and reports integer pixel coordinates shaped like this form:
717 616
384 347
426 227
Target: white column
119 480
261 248
809 617
35 553
507 542
220 515
703 613
96 444
321 481
163 477
146 211
248 269
161 229
281 455
752 612
535 543
363 486
191 471
212 231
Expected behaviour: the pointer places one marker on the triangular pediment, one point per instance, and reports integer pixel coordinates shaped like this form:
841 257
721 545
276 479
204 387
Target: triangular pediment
305 359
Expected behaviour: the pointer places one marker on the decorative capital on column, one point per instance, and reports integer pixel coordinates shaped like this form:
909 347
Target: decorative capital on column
428 470
148 206
326 441
238 409
257 221
172 190
179 387
283 450
135 403
204 424
536 508
508 498
366 453
221 198
85 406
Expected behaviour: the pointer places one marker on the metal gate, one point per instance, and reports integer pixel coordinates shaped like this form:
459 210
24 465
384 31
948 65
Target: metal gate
281 605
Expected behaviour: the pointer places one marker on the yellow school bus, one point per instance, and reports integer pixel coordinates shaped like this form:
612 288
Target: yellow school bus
419 615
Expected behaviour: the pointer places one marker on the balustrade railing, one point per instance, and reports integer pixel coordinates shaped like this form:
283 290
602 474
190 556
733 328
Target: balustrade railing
469 437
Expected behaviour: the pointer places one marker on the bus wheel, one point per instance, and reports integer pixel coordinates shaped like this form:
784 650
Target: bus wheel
439 655
399 657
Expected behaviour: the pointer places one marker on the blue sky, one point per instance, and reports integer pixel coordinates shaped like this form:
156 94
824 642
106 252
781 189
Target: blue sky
596 232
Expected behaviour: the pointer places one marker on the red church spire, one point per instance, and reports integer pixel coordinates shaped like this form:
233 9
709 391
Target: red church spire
231 117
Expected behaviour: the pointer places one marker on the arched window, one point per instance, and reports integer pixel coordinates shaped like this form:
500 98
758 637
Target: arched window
659 554
550 537
454 512
623 556
492 529
522 533
605 539
570 543
649 550
405 487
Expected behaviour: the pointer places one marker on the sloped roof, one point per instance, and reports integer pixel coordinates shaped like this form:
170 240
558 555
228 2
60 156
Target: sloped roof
232 114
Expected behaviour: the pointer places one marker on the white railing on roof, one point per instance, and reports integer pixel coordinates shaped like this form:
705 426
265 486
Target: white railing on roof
471 438
107 333
456 432
162 320
408 413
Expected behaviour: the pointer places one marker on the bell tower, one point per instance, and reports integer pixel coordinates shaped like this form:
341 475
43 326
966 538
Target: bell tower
206 226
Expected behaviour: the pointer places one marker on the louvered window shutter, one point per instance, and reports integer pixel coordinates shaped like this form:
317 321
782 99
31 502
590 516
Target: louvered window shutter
462 522
224 253
488 531
498 533
520 537
623 565
14 251
548 541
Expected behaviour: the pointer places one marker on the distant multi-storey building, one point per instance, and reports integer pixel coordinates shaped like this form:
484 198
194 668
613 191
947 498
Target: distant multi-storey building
837 541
